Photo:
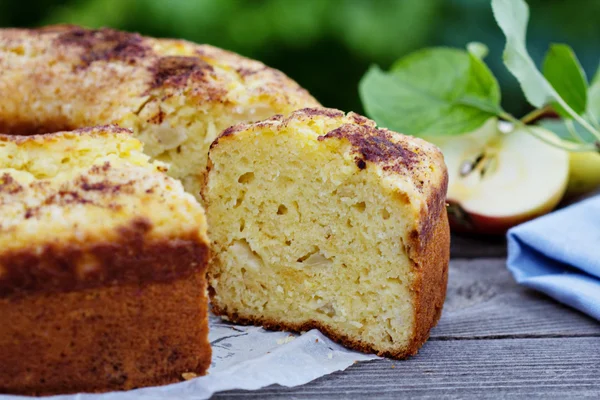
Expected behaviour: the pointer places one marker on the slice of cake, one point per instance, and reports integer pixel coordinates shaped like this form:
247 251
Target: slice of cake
321 220
102 266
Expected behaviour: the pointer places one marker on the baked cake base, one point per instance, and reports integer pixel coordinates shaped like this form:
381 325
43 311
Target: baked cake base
107 338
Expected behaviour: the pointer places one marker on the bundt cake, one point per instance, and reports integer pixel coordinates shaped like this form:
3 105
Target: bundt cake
176 96
317 219
102 266
321 220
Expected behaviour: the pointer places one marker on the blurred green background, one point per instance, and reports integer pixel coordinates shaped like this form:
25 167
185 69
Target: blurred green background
326 45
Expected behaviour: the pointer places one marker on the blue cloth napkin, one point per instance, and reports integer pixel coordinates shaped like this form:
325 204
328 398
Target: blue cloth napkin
559 255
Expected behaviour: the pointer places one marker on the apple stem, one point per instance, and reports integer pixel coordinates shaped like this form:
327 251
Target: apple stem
571 128
537 114
563 144
593 119
554 140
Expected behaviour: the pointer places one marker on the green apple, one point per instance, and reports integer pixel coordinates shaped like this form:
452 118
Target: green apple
500 177
584 175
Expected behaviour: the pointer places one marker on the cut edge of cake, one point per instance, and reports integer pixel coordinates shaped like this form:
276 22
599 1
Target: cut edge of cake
409 167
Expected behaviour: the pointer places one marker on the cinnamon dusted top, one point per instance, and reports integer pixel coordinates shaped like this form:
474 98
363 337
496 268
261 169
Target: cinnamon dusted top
104 44
392 152
84 77
374 145
86 208
177 70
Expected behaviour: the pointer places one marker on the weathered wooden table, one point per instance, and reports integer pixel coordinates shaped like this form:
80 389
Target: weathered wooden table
495 340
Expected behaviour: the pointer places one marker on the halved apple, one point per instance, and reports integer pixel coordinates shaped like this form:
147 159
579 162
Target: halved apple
500 177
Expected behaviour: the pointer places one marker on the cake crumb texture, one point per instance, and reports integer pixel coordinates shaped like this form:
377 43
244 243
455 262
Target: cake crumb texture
322 220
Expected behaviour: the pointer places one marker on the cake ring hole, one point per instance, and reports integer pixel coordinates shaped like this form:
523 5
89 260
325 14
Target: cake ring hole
27 128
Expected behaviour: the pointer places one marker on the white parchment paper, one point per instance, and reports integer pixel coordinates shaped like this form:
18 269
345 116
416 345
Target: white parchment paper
247 357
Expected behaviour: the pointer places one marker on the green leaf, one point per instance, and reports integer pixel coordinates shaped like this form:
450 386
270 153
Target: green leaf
482 89
572 130
564 72
436 91
512 17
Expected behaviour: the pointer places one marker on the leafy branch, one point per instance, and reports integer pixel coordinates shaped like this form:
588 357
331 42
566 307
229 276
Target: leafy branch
443 91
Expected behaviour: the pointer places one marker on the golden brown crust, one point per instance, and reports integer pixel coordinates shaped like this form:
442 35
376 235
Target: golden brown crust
109 338
431 255
131 259
429 250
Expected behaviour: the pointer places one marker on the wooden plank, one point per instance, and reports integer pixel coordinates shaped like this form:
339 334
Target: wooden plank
477 246
506 368
483 300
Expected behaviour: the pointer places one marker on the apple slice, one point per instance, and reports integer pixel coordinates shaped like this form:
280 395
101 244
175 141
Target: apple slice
500 177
